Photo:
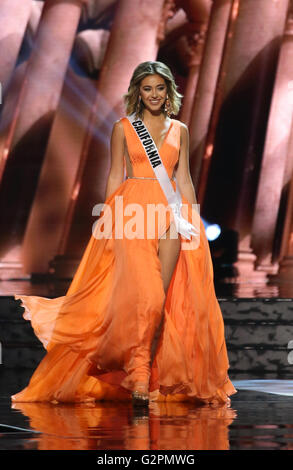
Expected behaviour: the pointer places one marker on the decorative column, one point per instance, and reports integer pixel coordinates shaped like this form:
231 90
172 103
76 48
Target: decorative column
35 16
206 88
136 32
196 42
47 64
285 258
272 177
44 228
14 15
24 149
246 89
52 199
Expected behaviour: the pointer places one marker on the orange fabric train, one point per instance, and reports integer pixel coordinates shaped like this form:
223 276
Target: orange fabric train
99 336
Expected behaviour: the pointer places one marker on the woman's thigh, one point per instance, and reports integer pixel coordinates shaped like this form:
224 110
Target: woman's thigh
169 249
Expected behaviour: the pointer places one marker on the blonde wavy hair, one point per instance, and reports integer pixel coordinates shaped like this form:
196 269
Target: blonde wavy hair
131 98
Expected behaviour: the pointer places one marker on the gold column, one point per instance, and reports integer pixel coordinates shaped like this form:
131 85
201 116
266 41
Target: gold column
273 169
284 276
246 87
196 41
206 88
14 15
31 123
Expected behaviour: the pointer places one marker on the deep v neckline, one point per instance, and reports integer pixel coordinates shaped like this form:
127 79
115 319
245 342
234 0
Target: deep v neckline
165 138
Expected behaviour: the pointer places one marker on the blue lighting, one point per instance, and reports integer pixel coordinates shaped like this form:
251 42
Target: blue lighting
213 231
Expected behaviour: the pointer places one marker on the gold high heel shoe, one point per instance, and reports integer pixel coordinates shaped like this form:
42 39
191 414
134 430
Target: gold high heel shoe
140 397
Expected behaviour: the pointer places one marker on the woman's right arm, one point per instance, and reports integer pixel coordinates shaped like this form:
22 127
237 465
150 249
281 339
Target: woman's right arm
116 175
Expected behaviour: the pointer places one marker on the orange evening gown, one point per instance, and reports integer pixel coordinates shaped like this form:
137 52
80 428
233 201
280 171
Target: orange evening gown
99 336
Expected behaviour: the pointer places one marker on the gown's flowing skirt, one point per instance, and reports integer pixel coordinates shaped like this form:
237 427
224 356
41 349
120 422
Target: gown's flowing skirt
99 336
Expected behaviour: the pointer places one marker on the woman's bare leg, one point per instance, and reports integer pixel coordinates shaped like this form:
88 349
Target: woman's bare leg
169 249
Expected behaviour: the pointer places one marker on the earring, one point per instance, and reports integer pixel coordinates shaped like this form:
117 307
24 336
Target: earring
167 107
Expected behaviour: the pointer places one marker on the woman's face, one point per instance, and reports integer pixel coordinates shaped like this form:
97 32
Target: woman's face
153 91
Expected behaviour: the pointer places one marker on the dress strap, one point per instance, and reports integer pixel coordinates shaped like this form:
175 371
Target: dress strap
132 142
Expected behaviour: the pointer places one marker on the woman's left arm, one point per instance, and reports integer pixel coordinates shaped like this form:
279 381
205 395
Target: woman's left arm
182 172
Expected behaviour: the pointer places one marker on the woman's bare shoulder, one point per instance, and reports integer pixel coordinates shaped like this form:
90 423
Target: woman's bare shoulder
118 126
118 122
182 124
118 130
184 131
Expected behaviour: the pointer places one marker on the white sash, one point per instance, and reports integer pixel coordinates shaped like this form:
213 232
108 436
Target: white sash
174 198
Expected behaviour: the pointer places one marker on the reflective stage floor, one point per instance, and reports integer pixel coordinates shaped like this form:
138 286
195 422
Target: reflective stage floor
260 418
258 331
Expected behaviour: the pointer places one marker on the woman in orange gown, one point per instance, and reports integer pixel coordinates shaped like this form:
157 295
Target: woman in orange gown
140 319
